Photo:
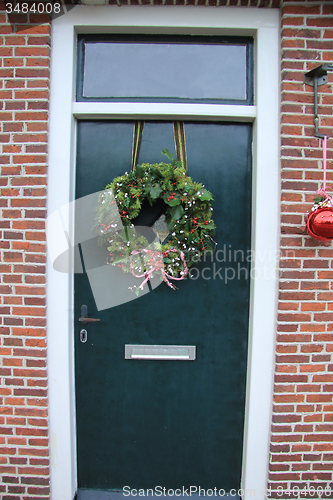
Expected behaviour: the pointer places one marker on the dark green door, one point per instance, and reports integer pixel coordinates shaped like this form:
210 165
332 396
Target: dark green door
174 424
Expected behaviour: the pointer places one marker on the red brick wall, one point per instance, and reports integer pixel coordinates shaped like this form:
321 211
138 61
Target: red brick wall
302 427
24 88
301 442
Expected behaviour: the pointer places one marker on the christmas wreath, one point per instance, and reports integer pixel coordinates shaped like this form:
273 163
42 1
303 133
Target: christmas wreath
182 205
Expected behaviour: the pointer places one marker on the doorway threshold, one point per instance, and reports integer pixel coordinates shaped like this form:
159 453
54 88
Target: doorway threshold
87 494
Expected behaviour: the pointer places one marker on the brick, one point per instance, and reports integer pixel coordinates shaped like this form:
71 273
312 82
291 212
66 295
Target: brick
288 398
13 321
306 294
34 480
314 285
30 392
292 358
30 51
20 225
312 348
293 317
319 398
29 352
32 181
323 317
30 373
286 418
301 10
323 378
34 279
321 358
13 257
37 40
14 40
323 337
30 138
28 431
288 476
30 412
308 388
33 471
39 452
15 489
27 246
15 381
10 479
7 451
11 170
39 491
308 368
12 127
290 378
36 126
31 116
23 159
320 22
296 295
38 422
36 363
13 62
313 418
286 368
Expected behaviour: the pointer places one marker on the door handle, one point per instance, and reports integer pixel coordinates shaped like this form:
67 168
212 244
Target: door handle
84 316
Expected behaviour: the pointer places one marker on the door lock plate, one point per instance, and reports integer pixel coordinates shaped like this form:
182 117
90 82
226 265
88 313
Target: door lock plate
83 336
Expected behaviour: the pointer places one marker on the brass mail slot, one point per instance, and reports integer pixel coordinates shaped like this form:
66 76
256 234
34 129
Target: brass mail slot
161 352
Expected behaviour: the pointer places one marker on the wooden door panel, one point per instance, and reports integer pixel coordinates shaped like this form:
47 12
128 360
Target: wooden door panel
169 423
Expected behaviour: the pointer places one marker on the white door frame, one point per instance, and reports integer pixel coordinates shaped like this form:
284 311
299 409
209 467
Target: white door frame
263 25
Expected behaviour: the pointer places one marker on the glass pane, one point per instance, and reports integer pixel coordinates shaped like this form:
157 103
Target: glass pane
164 70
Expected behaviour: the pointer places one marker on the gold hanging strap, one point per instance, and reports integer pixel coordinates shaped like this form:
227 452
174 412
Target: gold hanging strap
137 136
179 132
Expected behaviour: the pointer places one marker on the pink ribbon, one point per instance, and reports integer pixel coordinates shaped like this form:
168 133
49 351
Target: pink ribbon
156 264
322 190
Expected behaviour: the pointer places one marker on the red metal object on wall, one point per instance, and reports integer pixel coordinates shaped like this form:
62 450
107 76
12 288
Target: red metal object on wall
319 224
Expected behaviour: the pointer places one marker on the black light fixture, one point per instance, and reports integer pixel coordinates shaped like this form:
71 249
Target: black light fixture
315 77
319 222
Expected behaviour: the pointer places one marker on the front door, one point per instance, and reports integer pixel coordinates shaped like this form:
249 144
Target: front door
173 424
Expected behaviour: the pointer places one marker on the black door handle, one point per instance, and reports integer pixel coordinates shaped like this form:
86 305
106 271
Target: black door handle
84 316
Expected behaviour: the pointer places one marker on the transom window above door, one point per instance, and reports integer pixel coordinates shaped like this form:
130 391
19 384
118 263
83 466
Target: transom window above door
165 68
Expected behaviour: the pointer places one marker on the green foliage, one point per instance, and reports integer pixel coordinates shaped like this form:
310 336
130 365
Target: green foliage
155 191
188 215
168 154
177 212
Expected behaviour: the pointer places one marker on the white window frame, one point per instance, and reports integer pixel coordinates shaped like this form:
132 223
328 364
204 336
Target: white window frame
263 25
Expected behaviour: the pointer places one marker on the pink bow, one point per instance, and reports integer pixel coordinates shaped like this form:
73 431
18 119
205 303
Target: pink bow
322 190
155 261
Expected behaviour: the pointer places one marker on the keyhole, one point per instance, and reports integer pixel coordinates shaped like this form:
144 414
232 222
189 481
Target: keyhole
83 335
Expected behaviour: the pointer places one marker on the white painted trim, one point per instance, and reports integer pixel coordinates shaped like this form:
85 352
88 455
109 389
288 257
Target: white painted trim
100 110
265 243
60 286
263 24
